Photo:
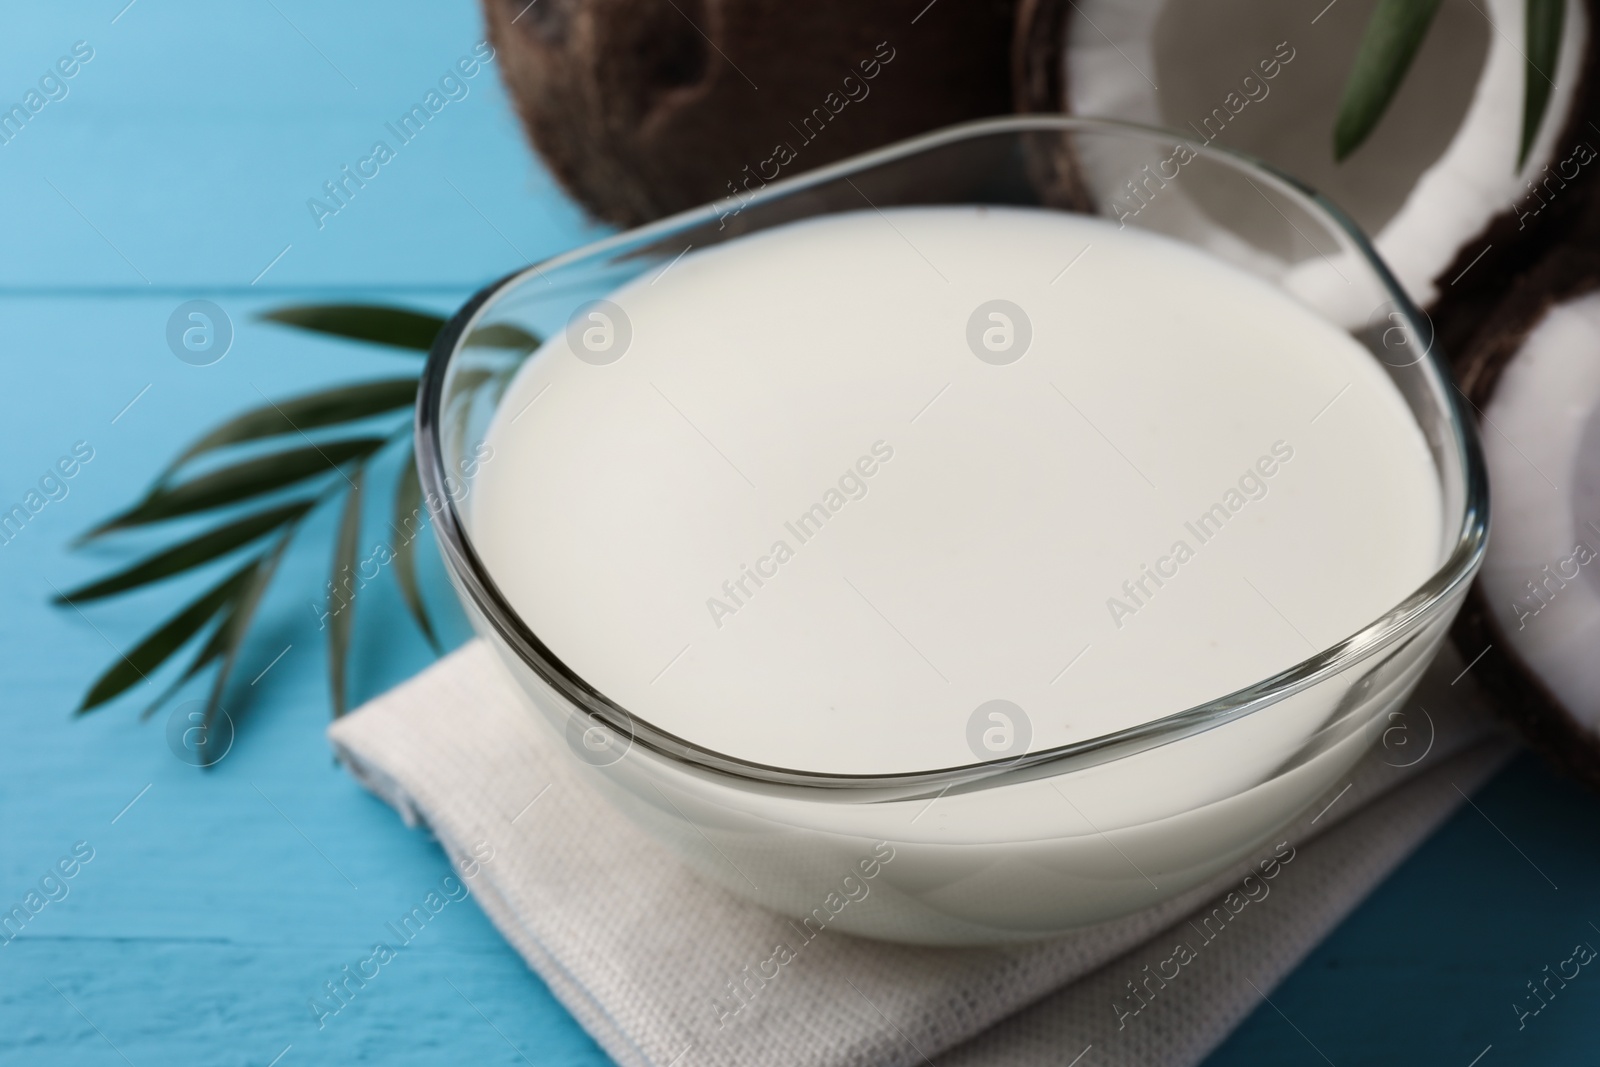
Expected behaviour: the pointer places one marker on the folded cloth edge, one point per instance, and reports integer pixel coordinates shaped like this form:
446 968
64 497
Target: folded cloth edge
1336 873
365 741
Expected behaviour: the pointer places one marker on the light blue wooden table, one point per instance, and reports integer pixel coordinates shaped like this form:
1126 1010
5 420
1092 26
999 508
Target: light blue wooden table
178 166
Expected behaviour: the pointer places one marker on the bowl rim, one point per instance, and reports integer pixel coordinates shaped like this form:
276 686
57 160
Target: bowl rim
1401 622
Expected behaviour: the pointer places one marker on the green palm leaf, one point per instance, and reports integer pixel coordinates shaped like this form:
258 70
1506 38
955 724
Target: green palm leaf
376 323
394 326
167 638
202 659
502 335
345 547
230 607
407 508
1388 45
240 481
191 553
1544 22
231 633
312 411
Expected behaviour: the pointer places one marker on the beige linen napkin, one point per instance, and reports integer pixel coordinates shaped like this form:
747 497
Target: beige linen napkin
662 967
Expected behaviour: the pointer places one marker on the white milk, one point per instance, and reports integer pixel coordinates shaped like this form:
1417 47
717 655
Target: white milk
820 513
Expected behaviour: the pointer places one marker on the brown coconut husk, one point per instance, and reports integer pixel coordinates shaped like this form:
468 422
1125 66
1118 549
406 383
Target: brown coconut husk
1471 293
1569 271
1038 82
1484 314
642 108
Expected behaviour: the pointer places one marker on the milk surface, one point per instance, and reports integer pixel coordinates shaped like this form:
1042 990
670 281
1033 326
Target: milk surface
895 491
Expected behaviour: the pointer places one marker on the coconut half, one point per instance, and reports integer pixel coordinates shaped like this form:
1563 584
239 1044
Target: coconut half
1534 616
1266 76
1506 260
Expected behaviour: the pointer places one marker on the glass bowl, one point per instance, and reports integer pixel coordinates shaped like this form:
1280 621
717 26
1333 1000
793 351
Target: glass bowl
928 857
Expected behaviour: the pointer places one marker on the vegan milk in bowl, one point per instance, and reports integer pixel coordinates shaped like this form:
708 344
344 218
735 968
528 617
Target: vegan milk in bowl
964 543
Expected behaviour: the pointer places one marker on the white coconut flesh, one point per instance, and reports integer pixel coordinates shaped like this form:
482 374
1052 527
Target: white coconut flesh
1439 166
1541 437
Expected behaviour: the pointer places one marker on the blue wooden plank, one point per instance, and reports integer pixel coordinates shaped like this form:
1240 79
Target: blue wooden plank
178 165
187 148
217 904
1427 970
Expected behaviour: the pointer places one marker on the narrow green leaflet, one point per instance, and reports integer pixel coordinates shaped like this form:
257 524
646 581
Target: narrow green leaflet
377 323
467 389
395 326
202 659
1388 45
191 553
240 481
342 617
167 638
502 335
230 637
217 624
499 383
312 411
464 391
1545 18
409 520
218 643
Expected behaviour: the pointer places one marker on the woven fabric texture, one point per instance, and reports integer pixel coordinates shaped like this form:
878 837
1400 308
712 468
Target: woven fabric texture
646 954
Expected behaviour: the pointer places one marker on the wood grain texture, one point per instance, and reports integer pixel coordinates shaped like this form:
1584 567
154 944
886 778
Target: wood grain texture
219 903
